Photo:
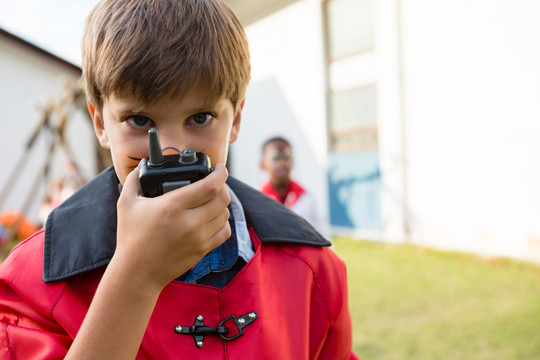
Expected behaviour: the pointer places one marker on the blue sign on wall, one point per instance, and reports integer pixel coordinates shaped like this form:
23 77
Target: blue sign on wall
354 181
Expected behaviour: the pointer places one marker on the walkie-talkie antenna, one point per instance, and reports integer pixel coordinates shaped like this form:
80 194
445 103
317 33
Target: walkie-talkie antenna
155 157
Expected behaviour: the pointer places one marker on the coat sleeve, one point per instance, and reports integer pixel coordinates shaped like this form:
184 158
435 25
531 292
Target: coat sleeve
333 282
27 330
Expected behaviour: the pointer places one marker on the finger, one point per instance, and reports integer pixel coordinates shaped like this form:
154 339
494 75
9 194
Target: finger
200 192
215 223
214 206
209 225
220 236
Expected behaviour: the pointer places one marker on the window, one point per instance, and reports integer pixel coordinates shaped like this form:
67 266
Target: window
354 119
351 26
354 178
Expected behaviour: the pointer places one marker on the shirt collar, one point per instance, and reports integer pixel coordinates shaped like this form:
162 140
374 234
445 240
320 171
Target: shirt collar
245 246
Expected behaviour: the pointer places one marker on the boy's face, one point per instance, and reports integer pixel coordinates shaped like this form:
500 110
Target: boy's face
277 160
182 123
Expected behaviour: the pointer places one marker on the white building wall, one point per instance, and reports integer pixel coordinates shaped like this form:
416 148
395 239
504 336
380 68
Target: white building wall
472 111
458 88
29 80
286 97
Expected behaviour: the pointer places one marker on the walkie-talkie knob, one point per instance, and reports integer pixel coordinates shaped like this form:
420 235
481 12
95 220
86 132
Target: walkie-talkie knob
188 156
155 156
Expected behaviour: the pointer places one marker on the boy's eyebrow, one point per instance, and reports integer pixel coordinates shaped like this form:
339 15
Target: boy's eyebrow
195 108
204 107
131 109
200 109
201 103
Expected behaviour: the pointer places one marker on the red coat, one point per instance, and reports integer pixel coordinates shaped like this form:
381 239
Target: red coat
297 292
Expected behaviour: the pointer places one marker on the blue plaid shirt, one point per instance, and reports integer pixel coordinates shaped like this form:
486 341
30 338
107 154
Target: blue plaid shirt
224 261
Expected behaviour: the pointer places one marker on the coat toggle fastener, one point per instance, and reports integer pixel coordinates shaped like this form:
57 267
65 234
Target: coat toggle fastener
199 330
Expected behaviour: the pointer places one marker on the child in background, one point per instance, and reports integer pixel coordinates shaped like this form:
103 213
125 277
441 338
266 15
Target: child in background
277 161
200 272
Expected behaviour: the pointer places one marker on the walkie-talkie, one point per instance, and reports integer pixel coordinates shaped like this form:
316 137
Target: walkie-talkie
162 173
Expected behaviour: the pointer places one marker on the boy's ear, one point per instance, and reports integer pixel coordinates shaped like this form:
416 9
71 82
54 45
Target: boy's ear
235 129
99 128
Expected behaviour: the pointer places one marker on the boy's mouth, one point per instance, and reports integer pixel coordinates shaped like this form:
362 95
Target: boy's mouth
282 172
136 159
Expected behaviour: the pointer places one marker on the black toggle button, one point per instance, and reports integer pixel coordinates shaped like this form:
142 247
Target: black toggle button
199 330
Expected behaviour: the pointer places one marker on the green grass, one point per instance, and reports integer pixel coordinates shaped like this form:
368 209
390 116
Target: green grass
413 303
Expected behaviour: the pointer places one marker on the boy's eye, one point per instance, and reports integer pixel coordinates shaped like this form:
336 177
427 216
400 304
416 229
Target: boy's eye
139 121
201 119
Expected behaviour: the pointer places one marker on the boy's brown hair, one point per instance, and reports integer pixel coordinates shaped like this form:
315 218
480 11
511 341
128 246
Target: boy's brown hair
152 49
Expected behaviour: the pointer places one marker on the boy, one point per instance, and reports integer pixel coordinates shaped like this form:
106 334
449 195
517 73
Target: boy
277 161
199 272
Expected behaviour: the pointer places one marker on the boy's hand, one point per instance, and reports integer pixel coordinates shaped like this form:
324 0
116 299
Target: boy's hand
158 239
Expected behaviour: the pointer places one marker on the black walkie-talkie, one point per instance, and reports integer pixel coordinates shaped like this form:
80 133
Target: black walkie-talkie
162 173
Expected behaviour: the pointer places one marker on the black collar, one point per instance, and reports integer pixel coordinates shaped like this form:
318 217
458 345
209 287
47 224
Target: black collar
80 235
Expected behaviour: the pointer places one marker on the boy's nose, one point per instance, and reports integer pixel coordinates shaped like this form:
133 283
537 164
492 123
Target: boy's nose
171 138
